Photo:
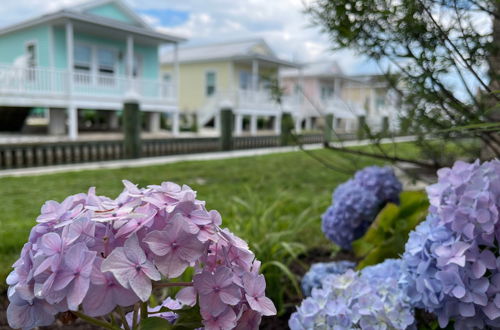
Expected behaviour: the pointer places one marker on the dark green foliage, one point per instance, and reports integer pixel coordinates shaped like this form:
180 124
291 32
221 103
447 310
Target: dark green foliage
388 234
287 126
328 127
132 130
362 127
226 133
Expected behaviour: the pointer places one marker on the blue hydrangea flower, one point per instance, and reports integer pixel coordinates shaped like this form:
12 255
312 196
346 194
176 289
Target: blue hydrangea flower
370 299
381 181
452 260
357 202
317 272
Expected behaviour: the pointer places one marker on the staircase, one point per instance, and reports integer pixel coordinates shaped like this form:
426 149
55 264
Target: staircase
213 105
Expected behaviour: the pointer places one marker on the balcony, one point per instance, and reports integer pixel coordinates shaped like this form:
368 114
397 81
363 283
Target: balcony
48 87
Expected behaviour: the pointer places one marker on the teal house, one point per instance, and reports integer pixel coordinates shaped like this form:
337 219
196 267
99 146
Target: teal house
92 56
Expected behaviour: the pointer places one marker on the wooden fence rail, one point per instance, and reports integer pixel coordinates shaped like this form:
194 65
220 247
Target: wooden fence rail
44 154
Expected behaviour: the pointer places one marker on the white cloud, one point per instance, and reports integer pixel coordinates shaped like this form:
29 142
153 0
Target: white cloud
281 22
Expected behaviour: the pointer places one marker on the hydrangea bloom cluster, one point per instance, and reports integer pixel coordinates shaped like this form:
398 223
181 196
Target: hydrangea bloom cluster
318 271
91 254
357 202
452 259
370 299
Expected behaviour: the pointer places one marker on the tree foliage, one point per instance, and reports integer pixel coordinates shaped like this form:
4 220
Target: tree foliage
444 56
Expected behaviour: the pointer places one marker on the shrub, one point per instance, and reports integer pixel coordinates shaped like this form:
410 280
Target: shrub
387 235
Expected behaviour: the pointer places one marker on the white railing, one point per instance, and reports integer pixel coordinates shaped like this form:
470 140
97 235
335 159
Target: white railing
248 100
341 108
55 82
33 80
263 100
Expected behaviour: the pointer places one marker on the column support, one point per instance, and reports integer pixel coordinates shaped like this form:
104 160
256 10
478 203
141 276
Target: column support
175 124
176 78
298 125
72 122
277 124
253 125
72 110
238 124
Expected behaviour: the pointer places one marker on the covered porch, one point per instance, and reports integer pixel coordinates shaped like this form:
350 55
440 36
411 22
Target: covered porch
93 65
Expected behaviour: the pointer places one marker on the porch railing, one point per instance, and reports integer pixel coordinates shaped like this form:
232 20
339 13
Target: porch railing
249 100
51 82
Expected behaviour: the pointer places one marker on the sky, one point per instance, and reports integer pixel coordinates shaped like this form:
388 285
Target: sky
281 23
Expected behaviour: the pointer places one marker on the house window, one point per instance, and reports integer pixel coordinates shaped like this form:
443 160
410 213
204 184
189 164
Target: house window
210 83
379 102
82 63
245 79
296 89
83 58
106 61
31 60
326 92
106 66
167 78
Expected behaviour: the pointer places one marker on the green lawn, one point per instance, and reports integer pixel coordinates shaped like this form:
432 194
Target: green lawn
273 201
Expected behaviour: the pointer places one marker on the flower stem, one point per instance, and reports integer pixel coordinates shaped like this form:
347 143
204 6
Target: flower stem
94 321
170 284
144 310
134 317
122 316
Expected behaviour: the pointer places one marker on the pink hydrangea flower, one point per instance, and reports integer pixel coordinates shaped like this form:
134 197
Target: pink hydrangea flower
131 268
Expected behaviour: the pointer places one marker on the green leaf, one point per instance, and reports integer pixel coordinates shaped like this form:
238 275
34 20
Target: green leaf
188 319
389 232
155 323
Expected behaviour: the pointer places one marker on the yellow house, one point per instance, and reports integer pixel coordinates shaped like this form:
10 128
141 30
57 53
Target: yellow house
233 74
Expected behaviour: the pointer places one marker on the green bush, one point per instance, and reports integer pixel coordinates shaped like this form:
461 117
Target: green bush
387 236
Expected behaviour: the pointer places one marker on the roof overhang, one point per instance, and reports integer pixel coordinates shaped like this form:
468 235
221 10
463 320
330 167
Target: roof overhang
249 58
63 16
266 59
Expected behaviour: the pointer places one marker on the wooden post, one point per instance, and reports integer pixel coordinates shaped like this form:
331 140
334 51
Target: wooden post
328 128
132 129
226 132
287 125
361 127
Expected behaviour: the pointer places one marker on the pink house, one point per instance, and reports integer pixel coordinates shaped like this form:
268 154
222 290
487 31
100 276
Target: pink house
323 88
